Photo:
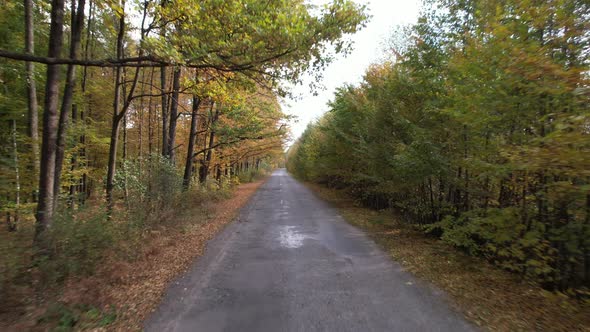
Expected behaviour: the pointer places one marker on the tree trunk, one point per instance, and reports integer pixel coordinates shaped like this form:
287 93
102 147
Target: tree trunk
140 121
173 114
73 164
124 93
188 168
150 116
116 118
14 224
45 210
33 128
432 207
119 112
68 96
205 167
125 143
82 189
164 112
218 172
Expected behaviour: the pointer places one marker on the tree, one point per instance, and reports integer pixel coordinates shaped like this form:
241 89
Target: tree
45 207
33 114
475 131
263 43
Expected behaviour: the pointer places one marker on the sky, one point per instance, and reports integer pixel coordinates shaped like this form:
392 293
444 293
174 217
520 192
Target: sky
368 49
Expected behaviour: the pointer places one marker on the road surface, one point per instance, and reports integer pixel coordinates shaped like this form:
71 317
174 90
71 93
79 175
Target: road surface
291 263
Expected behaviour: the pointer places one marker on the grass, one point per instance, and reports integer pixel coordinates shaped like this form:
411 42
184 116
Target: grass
491 298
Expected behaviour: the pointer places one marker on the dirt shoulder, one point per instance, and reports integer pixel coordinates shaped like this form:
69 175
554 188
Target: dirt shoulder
138 291
491 298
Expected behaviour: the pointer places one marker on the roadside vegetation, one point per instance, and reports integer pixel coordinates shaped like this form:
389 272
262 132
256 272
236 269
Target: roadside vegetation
125 123
475 132
491 298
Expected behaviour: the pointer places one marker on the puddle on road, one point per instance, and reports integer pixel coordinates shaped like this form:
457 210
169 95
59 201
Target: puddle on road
289 237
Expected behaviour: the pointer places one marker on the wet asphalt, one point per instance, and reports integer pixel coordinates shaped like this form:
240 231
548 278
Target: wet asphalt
291 263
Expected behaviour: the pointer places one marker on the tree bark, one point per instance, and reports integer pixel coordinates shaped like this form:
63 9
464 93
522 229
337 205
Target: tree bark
45 209
204 171
173 114
73 165
116 118
68 96
150 116
83 186
13 226
164 112
33 128
140 121
188 167
119 112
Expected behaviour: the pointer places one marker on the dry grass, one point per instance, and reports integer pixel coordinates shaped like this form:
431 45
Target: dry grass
491 298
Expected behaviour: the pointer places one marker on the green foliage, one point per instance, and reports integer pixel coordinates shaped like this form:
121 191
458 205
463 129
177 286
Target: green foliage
76 244
478 131
252 175
280 38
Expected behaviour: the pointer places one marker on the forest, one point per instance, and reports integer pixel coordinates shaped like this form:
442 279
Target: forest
117 115
475 130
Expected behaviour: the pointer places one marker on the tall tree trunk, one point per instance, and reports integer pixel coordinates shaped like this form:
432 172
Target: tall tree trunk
188 167
218 172
119 112
125 142
83 152
164 112
116 125
116 117
173 114
586 250
140 121
125 117
204 172
150 117
45 210
33 128
432 206
68 96
14 224
73 164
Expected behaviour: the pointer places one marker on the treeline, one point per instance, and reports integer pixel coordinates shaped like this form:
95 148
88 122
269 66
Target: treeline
478 131
209 70
126 105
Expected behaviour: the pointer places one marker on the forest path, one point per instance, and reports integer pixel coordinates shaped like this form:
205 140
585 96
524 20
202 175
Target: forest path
291 263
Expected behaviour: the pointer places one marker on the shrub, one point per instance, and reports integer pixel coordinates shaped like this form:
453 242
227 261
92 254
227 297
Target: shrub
76 243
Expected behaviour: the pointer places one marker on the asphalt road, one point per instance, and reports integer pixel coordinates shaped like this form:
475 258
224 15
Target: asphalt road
291 263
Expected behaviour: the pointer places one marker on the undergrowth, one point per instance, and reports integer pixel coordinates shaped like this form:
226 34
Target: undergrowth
79 240
490 297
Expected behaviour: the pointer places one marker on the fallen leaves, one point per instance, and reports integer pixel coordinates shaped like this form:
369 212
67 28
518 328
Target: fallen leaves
166 255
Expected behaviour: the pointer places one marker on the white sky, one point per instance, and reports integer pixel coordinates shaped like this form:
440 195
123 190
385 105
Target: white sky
368 49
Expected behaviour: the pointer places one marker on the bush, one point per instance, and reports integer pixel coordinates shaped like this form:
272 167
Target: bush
76 243
152 188
252 174
497 235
